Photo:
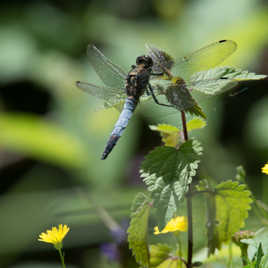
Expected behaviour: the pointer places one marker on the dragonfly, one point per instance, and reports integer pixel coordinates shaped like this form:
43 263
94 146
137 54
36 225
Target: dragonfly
131 86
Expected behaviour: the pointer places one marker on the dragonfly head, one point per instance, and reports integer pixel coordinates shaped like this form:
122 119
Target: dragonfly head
146 60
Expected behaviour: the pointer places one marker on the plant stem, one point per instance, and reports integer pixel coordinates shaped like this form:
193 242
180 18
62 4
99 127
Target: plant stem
184 127
189 204
230 255
62 258
190 228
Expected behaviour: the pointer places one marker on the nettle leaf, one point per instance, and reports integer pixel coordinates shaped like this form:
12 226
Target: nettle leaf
221 79
171 134
169 263
138 229
159 253
196 123
138 201
232 201
164 128
167 172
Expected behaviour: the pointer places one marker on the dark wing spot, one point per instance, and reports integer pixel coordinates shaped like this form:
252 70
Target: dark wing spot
222 41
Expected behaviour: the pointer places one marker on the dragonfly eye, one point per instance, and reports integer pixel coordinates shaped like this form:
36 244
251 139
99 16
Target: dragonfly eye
146 60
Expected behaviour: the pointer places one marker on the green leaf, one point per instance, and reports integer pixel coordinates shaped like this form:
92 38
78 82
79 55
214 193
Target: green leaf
138 229
240 174
196 123
259 256
159 253
169 263
261 237
167 172
232 205
41 139
264 261
174 165
165 128
221 79
138 202
170 134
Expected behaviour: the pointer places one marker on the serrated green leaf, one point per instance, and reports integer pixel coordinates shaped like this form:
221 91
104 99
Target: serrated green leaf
167 172
44 140
138 229
170 134
169 263
232 206
138 202
174 165
159 253
221 79
165 128
196 123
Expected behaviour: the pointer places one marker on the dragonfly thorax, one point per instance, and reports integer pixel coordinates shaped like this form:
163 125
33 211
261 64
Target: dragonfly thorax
138 78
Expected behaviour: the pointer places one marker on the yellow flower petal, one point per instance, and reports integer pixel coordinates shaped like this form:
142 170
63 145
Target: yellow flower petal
156 230
54 236
265 169
175 224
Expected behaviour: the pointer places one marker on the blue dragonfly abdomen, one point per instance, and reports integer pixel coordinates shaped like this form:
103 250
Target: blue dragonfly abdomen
121 124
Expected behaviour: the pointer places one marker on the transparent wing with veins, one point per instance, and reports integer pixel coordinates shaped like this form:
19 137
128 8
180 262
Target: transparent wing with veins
111 74
109 95
203 59
113 92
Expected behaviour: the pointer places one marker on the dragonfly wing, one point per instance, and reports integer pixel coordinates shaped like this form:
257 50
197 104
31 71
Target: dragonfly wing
204 58
111 96
111 74
160 59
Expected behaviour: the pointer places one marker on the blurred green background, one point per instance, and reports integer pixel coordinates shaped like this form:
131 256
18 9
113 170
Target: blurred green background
52 134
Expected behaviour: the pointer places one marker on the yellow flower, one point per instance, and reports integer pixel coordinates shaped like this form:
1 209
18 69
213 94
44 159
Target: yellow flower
175 224
265 169
55 236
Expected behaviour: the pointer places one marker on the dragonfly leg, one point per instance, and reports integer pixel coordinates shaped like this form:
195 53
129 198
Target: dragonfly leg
155 99
148 93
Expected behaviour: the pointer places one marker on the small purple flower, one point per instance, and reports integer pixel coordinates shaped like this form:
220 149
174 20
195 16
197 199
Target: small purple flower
110 251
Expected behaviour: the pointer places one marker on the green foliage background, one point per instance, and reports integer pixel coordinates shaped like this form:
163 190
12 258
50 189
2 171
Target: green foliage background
52 135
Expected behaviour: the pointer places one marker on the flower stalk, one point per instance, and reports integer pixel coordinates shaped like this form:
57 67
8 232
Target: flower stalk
62 258
55 236
189 203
